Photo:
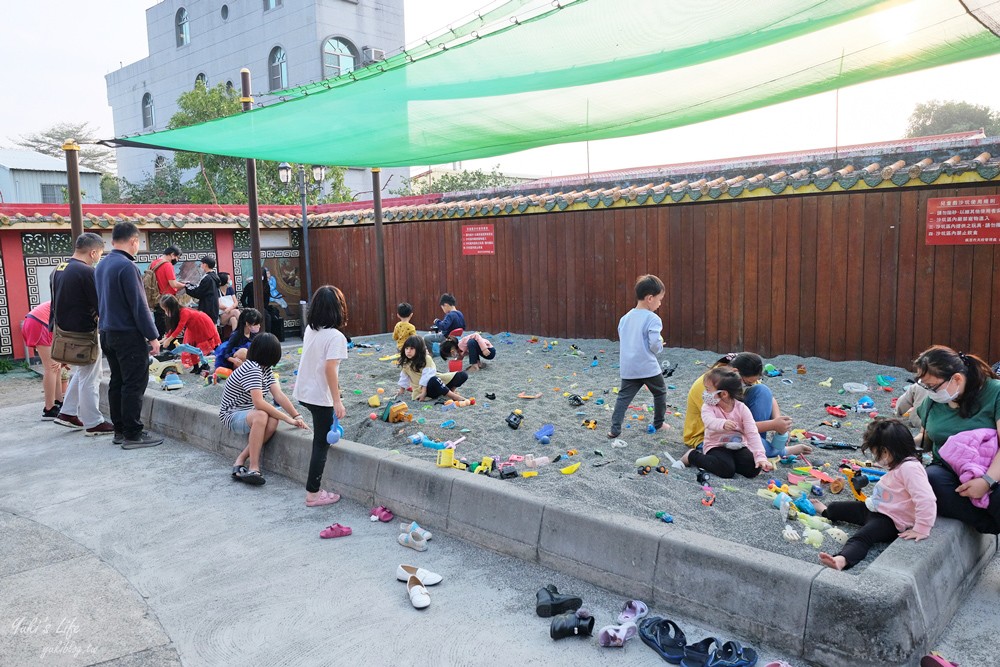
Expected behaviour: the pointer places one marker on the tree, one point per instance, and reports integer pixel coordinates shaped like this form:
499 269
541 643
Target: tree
936 117
163 187
50 141
222 180
456 182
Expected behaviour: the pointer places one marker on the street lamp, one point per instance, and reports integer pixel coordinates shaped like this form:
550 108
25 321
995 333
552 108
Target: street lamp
318 174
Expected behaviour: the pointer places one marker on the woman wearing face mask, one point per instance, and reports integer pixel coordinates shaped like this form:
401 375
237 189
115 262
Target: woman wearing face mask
964 395
233 352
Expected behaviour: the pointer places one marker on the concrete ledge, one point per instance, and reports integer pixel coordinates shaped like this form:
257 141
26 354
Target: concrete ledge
889 613
500 516
610 550
763 595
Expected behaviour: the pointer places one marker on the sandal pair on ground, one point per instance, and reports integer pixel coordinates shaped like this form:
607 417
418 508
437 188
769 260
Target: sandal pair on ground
417 578
413 536
569 620
668 640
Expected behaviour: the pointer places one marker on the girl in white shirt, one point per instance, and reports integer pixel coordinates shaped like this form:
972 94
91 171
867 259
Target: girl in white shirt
317 386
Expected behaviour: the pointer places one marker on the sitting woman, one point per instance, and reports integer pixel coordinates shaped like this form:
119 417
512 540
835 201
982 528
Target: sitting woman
757 396
964 395
229 310
199 331
233 352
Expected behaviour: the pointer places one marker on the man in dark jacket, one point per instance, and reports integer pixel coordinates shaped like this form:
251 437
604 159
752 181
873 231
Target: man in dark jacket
207 291
127 333
75 309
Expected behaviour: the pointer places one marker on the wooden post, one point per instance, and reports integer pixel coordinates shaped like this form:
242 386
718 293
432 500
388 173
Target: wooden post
383 325
72 150
260 299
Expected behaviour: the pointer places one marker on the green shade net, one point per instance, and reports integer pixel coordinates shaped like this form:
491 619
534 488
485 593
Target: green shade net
591 69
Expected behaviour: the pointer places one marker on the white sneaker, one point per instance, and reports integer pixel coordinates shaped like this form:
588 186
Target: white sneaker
426 577
413 540
414 527
418 594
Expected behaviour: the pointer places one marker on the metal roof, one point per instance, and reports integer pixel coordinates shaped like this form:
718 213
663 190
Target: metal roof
25 160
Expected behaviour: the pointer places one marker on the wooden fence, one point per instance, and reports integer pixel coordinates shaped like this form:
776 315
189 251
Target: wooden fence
839 276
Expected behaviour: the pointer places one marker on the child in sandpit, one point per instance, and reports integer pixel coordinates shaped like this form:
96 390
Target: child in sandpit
902 504
418 374
453 319
732 442
639 331
758 398
403 329
473 345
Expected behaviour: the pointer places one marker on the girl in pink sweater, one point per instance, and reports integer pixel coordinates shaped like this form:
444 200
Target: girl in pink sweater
474 345
732 442
901 504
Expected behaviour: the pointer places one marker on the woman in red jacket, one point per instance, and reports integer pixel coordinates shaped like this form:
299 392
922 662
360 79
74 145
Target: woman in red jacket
199 331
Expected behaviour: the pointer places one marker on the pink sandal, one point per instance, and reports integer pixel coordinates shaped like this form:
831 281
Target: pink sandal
382 513
336 530
323 498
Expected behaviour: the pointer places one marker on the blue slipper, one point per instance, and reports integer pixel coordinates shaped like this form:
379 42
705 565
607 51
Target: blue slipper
732 654
663 636
696 655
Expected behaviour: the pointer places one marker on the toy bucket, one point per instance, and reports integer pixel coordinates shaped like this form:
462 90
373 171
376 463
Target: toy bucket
454 365
445 458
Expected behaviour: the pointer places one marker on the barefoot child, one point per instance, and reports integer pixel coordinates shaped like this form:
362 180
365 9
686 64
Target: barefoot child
318 385
418 373
902 504
639 331
245 410
732 442
474 345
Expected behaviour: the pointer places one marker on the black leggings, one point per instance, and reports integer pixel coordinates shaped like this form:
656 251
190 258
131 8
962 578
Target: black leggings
322 417
725 463
475 353
875 528
436 388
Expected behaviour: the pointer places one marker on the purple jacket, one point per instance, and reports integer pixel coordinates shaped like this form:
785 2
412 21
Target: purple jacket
969 454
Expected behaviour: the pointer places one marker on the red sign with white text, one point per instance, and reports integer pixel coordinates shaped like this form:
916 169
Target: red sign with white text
477 240
963 220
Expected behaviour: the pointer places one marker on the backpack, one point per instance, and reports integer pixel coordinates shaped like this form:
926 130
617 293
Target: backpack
151 285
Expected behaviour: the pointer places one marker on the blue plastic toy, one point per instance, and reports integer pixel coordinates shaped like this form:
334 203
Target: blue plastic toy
448 424
336 431
190 349
419 438
865 403
545 431
803 505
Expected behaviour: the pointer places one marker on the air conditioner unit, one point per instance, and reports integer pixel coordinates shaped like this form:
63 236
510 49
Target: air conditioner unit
370 55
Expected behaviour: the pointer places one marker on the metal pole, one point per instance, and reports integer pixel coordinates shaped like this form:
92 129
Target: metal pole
259 301
305 232
379 250
72 150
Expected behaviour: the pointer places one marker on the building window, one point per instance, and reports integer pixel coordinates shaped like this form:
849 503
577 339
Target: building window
271 4
183 35
52 194
229 85
148 116
202 79
339 57
277 68
224 12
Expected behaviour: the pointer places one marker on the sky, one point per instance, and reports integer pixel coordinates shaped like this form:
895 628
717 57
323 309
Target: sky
58 52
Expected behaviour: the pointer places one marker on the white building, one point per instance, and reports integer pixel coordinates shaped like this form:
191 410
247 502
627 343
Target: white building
284 43
27 177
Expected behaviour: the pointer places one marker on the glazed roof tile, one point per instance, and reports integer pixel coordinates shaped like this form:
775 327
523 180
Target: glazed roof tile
939 160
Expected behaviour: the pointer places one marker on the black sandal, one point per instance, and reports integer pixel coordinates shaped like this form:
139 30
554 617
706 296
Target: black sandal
238 470
251 477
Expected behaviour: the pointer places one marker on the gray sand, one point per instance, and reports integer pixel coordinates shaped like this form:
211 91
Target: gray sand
738 513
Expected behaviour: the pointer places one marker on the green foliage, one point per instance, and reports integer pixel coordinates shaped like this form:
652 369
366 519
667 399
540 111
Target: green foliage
50 141
936 117
163 187
110 189
457 182
6 366
222 180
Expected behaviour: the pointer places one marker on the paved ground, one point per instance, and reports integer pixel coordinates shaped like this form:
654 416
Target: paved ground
154 557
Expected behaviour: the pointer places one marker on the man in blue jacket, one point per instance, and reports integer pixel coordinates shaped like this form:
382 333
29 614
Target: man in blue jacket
127 333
